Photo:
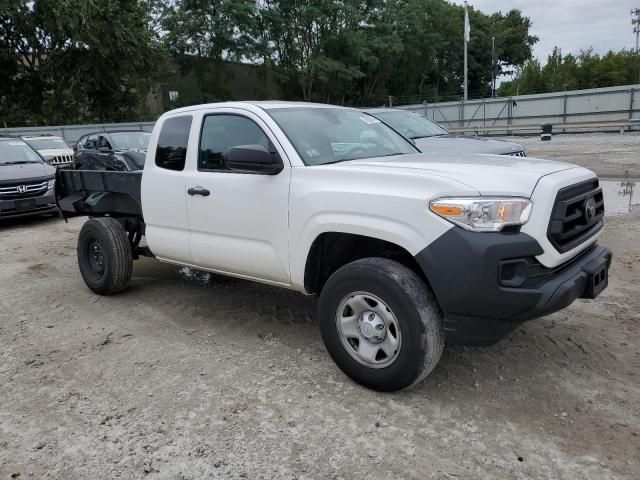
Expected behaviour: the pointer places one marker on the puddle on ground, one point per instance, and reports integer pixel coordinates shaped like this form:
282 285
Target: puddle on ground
620 196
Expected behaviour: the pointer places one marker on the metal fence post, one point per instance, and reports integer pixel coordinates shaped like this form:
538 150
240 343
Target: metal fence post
564 111
484 115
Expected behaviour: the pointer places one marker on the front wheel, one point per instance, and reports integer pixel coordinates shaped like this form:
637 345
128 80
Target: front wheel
104 255
381 324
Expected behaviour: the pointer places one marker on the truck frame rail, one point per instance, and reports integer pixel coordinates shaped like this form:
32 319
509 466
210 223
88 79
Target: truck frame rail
99 193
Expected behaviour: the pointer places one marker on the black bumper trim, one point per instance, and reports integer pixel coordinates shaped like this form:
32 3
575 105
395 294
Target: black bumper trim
44 210
463 269
42 204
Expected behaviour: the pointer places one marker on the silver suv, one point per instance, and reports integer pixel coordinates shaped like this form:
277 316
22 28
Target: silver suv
54 150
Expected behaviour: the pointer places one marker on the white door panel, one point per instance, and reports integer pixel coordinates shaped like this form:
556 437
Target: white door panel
242 226
165 214
163 200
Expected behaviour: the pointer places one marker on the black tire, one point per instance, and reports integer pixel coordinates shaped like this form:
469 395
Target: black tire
412 304
104 255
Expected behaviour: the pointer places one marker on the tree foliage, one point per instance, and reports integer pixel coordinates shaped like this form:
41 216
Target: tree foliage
95 60
76 60
362 51
574 72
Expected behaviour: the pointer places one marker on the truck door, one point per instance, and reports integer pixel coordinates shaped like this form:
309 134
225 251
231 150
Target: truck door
163 190
239 222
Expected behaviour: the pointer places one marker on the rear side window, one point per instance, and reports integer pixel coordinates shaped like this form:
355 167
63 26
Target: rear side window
172 143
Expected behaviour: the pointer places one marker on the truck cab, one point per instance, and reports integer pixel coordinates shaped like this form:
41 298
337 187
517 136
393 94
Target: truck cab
404 249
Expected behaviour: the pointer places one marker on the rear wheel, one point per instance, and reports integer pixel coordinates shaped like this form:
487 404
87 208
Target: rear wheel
381 324
104 255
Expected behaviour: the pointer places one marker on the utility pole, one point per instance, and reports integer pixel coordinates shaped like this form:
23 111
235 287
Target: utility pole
467 33
636 26
494 66
635 12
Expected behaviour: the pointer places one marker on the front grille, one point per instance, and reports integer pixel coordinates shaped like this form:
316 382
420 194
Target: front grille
577 215
62 160
521 153
23 190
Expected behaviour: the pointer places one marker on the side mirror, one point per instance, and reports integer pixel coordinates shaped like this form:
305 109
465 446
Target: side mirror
253 159
104 150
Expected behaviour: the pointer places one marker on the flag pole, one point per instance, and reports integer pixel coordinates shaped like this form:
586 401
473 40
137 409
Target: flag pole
466 38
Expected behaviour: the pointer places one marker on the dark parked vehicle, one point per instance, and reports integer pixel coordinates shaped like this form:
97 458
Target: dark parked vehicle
123 150
431 137
26 180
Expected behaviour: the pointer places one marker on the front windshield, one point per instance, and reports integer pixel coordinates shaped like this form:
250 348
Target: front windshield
130 140
331 135
47 143
16 151
411 124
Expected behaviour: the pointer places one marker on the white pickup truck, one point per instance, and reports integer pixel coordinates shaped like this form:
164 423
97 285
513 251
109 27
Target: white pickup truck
406 250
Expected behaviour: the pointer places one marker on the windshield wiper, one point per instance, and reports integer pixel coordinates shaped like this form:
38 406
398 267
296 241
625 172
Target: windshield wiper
420 136
337 161
362 158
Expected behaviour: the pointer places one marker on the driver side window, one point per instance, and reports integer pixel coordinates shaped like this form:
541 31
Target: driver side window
91 143
220 132
103 142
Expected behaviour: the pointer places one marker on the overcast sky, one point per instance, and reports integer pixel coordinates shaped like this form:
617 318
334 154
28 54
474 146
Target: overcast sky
571 24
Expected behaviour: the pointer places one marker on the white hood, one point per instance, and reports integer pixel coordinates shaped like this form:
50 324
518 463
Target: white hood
488 174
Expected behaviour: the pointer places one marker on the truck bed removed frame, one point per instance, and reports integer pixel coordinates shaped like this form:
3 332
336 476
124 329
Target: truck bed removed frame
99 193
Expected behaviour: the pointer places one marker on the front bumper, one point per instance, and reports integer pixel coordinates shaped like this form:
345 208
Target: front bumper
487 284
43 204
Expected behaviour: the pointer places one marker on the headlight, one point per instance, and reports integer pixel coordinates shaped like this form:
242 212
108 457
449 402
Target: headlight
483 214
51 183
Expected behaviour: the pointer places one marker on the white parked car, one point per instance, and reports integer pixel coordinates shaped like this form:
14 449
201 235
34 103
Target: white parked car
54 150
405 250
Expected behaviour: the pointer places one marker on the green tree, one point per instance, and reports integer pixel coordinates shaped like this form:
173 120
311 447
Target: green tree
203 34
569 72
432 61
79 60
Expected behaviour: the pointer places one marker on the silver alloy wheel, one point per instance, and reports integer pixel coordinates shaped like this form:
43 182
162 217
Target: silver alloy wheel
368 330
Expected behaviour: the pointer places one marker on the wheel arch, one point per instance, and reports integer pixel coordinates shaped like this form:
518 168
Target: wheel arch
333 249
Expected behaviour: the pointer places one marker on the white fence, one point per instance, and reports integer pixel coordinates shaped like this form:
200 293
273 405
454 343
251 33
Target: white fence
72 133
598 109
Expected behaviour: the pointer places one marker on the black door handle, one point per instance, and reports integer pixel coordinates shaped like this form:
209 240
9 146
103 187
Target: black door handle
198 191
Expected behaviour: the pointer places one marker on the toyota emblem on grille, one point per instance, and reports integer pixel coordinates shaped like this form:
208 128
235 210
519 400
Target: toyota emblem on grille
21 188
589 209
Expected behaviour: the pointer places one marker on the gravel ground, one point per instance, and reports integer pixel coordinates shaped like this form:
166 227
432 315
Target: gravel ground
607 154
193 376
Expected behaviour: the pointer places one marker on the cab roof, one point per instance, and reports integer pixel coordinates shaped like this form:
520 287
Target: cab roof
255 104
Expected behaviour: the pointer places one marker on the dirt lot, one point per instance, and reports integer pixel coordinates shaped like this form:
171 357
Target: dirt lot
607 154
186 376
